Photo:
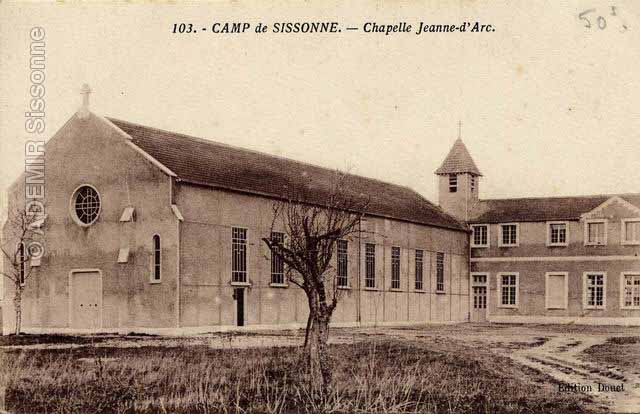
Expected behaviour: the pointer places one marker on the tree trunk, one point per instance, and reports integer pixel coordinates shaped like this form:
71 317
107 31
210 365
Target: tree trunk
317 352
306 332
17 303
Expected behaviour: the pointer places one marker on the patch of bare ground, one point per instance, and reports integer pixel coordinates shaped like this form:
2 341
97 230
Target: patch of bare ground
379 375
26 339
621 352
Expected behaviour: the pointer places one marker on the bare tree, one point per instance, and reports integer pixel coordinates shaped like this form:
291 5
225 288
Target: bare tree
313 218
23 240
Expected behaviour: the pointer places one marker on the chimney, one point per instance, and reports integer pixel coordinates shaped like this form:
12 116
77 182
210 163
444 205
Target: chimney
85 91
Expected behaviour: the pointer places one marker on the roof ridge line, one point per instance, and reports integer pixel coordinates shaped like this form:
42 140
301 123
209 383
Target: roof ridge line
556 197
211 142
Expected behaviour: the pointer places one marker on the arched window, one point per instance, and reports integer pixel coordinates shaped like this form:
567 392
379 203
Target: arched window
22 263
157 263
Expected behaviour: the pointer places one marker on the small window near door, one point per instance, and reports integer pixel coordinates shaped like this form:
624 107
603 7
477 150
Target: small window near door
157 260
238 255
479 279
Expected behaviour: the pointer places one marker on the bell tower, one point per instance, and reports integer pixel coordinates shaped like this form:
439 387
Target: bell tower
458 182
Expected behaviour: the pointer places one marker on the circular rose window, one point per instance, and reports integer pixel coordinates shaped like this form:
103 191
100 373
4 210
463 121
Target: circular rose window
85 205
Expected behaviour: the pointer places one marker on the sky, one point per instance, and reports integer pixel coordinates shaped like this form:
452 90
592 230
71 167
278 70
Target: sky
548 106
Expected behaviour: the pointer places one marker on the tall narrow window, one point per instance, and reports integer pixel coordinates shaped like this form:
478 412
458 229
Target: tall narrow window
238 255
419 269
473 183
23 260
395 268
440 272
157 260
370 265
508 290
631 292
594 290
453 183
277 264
342 259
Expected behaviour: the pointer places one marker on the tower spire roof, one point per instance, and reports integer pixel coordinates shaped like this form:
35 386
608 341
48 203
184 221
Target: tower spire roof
458 161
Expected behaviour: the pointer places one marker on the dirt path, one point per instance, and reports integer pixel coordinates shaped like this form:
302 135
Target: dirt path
558 358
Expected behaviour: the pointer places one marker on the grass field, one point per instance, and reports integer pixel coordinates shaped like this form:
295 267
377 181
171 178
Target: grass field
378 375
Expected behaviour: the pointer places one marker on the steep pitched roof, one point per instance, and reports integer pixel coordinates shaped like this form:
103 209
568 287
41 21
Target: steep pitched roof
543 209
458 161
203 162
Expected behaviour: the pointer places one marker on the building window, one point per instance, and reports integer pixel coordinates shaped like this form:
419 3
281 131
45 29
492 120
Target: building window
473 183
277 264
453 183
557 234
238 255
508 286
479 279
480 235
157 251
631 290
370 265
631 231
419 269
22 257
595 233
395 268
594 290
556 290
508 235
85 205
439 272
343 263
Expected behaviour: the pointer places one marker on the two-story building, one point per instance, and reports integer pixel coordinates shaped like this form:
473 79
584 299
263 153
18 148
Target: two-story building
550 259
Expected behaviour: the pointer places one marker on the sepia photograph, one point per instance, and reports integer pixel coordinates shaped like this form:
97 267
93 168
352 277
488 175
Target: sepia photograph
320 207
